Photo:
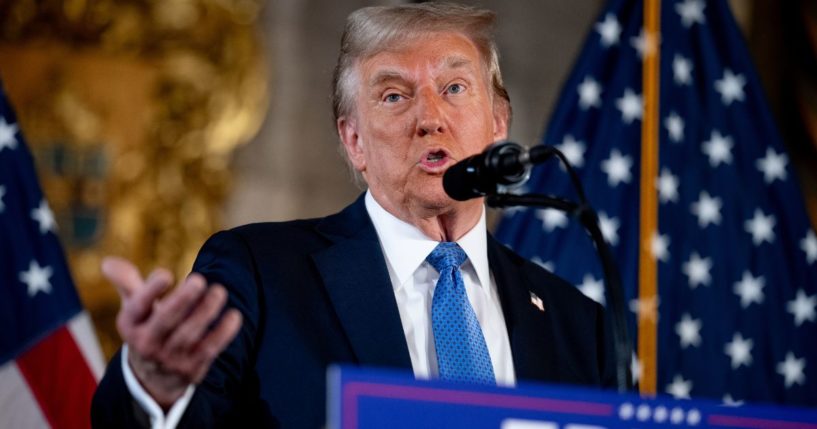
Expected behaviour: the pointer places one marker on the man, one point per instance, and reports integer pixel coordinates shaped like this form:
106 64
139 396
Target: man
417 88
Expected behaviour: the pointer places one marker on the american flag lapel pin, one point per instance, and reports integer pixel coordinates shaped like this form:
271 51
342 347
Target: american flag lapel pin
537 302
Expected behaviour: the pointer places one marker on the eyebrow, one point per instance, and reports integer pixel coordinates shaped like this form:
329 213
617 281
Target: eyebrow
455 62
449 63
384 76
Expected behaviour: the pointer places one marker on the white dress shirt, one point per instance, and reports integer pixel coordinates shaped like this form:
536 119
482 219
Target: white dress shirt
414 279
405 248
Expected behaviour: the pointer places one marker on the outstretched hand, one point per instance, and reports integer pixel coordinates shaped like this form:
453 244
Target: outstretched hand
172 339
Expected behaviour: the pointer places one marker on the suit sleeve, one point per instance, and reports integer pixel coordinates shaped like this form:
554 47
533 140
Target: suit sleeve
229 393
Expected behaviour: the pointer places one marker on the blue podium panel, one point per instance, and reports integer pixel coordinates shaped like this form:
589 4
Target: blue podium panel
363 399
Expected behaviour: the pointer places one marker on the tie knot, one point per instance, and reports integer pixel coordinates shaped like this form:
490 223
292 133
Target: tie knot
445 256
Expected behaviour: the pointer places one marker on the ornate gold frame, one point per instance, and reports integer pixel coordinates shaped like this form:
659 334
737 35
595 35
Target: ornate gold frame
133 109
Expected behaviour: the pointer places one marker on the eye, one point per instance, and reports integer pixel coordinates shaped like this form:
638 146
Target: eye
455 88
392 98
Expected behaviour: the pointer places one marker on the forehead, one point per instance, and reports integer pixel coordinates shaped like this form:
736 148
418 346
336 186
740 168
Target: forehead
436 51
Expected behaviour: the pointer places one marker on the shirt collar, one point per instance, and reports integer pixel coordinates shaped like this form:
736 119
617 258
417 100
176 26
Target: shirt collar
406 247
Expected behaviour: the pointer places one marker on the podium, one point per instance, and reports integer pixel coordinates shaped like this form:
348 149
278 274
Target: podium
360 398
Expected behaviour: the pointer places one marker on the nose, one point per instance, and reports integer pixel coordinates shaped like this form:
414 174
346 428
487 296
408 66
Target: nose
430 114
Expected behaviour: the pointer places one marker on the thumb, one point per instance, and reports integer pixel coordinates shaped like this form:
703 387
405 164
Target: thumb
123 274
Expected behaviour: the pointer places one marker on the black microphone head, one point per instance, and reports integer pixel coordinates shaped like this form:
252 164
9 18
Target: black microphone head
462 180
479 175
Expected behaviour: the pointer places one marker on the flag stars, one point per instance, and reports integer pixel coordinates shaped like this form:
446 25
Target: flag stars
739 350
609 30
675 127
592 288
636 368
509 212
7 134
609 228
551 219
689 330
546 265
802 307
773 165
729 401
730 86
761 227
681 70
44 216
707 209
36 278
617 168
691 12
697 269
792 370
667 185
645 43
589 93
573 150
750 289
631 106
718 148
809 246
680 388
646 308
659 247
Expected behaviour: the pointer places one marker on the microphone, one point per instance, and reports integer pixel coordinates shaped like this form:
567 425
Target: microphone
502 163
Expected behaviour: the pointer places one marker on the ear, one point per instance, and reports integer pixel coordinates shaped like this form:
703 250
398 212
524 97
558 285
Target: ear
352 143
501 119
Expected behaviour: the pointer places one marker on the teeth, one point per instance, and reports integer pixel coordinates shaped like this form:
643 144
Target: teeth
434 157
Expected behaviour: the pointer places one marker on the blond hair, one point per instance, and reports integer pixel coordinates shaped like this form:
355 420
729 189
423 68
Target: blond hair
371 30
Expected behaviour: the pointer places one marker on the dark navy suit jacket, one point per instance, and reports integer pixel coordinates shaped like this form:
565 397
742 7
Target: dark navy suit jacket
316 292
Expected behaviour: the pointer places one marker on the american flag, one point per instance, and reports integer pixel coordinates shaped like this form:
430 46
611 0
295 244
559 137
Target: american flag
50 360
736 254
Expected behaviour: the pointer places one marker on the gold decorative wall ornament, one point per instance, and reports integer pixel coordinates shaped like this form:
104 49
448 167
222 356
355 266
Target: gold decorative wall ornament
133 109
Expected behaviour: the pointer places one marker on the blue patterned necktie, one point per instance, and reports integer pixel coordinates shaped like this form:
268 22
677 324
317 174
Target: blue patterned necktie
462 354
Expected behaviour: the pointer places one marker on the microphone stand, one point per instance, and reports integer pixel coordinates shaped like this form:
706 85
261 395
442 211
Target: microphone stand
589 219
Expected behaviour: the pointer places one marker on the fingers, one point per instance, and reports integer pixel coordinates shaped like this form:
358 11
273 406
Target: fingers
171 337
139 305
171 310
123 274
137 294
191 330
215 341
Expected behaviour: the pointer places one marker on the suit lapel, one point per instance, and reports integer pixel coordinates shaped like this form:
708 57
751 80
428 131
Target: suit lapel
354 271
529 328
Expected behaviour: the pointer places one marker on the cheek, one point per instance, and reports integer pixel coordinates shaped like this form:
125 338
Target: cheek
476 127
391 128
389 143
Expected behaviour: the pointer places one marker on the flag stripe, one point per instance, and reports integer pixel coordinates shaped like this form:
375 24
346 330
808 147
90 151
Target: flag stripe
647 273
57 360
18 407
83 332
60 379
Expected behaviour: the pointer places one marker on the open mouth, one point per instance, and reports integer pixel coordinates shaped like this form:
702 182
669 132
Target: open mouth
434 160
435 156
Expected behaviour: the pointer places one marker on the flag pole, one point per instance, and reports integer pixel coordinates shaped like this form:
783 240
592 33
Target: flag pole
647 273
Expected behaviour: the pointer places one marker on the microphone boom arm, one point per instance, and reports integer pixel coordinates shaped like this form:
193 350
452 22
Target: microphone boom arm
614 293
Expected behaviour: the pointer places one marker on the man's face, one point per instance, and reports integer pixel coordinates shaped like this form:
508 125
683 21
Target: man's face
419 109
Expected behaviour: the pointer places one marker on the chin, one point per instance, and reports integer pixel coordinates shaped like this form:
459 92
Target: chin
440 202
